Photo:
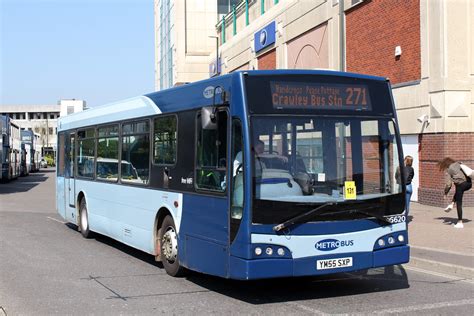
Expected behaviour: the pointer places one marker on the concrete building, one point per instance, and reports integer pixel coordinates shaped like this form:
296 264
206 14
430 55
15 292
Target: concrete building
182 40
42 119
426 49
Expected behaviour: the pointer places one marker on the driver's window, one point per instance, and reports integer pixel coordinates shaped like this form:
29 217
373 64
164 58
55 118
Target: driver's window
211 153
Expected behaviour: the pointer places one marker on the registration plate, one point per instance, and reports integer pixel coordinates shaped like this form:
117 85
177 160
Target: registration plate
334 263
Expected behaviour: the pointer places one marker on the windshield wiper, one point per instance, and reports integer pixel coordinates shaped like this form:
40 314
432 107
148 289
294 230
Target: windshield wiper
298 218
374 214
362 211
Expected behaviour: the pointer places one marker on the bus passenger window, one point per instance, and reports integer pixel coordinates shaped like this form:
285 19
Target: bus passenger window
107 153
165 135
211 160
135 160
86 153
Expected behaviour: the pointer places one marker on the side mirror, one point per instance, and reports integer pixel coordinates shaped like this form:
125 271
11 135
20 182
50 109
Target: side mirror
208 117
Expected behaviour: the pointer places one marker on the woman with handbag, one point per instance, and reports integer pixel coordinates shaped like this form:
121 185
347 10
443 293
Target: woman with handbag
454 174
408 173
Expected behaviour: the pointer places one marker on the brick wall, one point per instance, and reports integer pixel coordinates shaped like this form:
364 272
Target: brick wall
434 147
374 29
267 61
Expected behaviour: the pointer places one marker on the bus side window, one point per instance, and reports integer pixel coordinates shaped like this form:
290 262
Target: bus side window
211 160
135 156
86 153
107 153
164 140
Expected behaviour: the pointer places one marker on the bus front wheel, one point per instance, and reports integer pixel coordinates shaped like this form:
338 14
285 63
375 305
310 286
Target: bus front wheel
84 219
169 248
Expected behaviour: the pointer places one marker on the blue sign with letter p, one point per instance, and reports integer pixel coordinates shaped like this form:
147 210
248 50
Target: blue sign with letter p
265 37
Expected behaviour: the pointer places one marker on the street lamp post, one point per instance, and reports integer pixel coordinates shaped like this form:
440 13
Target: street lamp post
217 52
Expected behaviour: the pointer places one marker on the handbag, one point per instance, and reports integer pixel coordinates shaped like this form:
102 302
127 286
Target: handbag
467 171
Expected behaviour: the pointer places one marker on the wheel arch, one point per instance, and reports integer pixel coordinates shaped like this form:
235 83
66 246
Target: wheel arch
159 217
79 198
81 195
175 268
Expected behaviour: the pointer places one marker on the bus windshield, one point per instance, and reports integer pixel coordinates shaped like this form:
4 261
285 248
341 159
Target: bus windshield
315 160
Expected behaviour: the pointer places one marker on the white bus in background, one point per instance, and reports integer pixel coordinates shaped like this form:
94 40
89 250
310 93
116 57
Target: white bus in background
11 149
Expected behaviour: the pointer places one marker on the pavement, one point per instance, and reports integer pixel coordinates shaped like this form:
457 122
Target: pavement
436 245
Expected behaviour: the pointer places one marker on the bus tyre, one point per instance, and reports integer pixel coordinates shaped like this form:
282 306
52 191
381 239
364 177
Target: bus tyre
169 248
84 220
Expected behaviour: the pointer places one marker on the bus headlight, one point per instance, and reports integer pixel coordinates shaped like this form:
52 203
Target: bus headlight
391 240
381 242
401 238
270 251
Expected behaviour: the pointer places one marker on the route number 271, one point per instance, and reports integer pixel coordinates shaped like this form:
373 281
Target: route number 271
356 96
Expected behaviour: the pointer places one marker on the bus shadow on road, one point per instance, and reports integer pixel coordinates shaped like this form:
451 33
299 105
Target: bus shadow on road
136 253
307 288
23 184
283 289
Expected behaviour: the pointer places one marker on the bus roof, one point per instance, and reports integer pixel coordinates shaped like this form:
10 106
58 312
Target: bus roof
187 96
319 72
116 111
175 99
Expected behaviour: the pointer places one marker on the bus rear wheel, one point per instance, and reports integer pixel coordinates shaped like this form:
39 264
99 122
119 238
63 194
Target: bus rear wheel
169 248
84 219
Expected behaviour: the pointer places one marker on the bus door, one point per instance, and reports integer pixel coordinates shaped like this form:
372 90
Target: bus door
237 179
60 173
206 220
69 179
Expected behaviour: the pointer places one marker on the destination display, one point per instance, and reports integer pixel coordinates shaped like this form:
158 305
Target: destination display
327 96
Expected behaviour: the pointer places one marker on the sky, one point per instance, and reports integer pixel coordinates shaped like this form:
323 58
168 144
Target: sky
99 51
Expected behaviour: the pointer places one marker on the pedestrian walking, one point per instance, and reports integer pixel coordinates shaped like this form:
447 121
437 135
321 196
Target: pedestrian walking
454 174
408 173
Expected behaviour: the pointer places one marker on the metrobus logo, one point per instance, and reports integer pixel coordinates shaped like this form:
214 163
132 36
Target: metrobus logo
209 91
332 244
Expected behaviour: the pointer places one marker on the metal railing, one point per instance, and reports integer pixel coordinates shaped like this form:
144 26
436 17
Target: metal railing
239 17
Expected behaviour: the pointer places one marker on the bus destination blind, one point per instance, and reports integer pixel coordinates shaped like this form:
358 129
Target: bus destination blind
327 96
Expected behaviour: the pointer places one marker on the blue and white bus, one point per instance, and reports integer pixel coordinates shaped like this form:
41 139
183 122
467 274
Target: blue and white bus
249 175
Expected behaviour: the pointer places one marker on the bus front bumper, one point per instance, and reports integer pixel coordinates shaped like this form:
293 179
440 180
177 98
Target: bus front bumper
244 269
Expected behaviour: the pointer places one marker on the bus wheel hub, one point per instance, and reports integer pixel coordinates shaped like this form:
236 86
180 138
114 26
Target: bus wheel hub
169 245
